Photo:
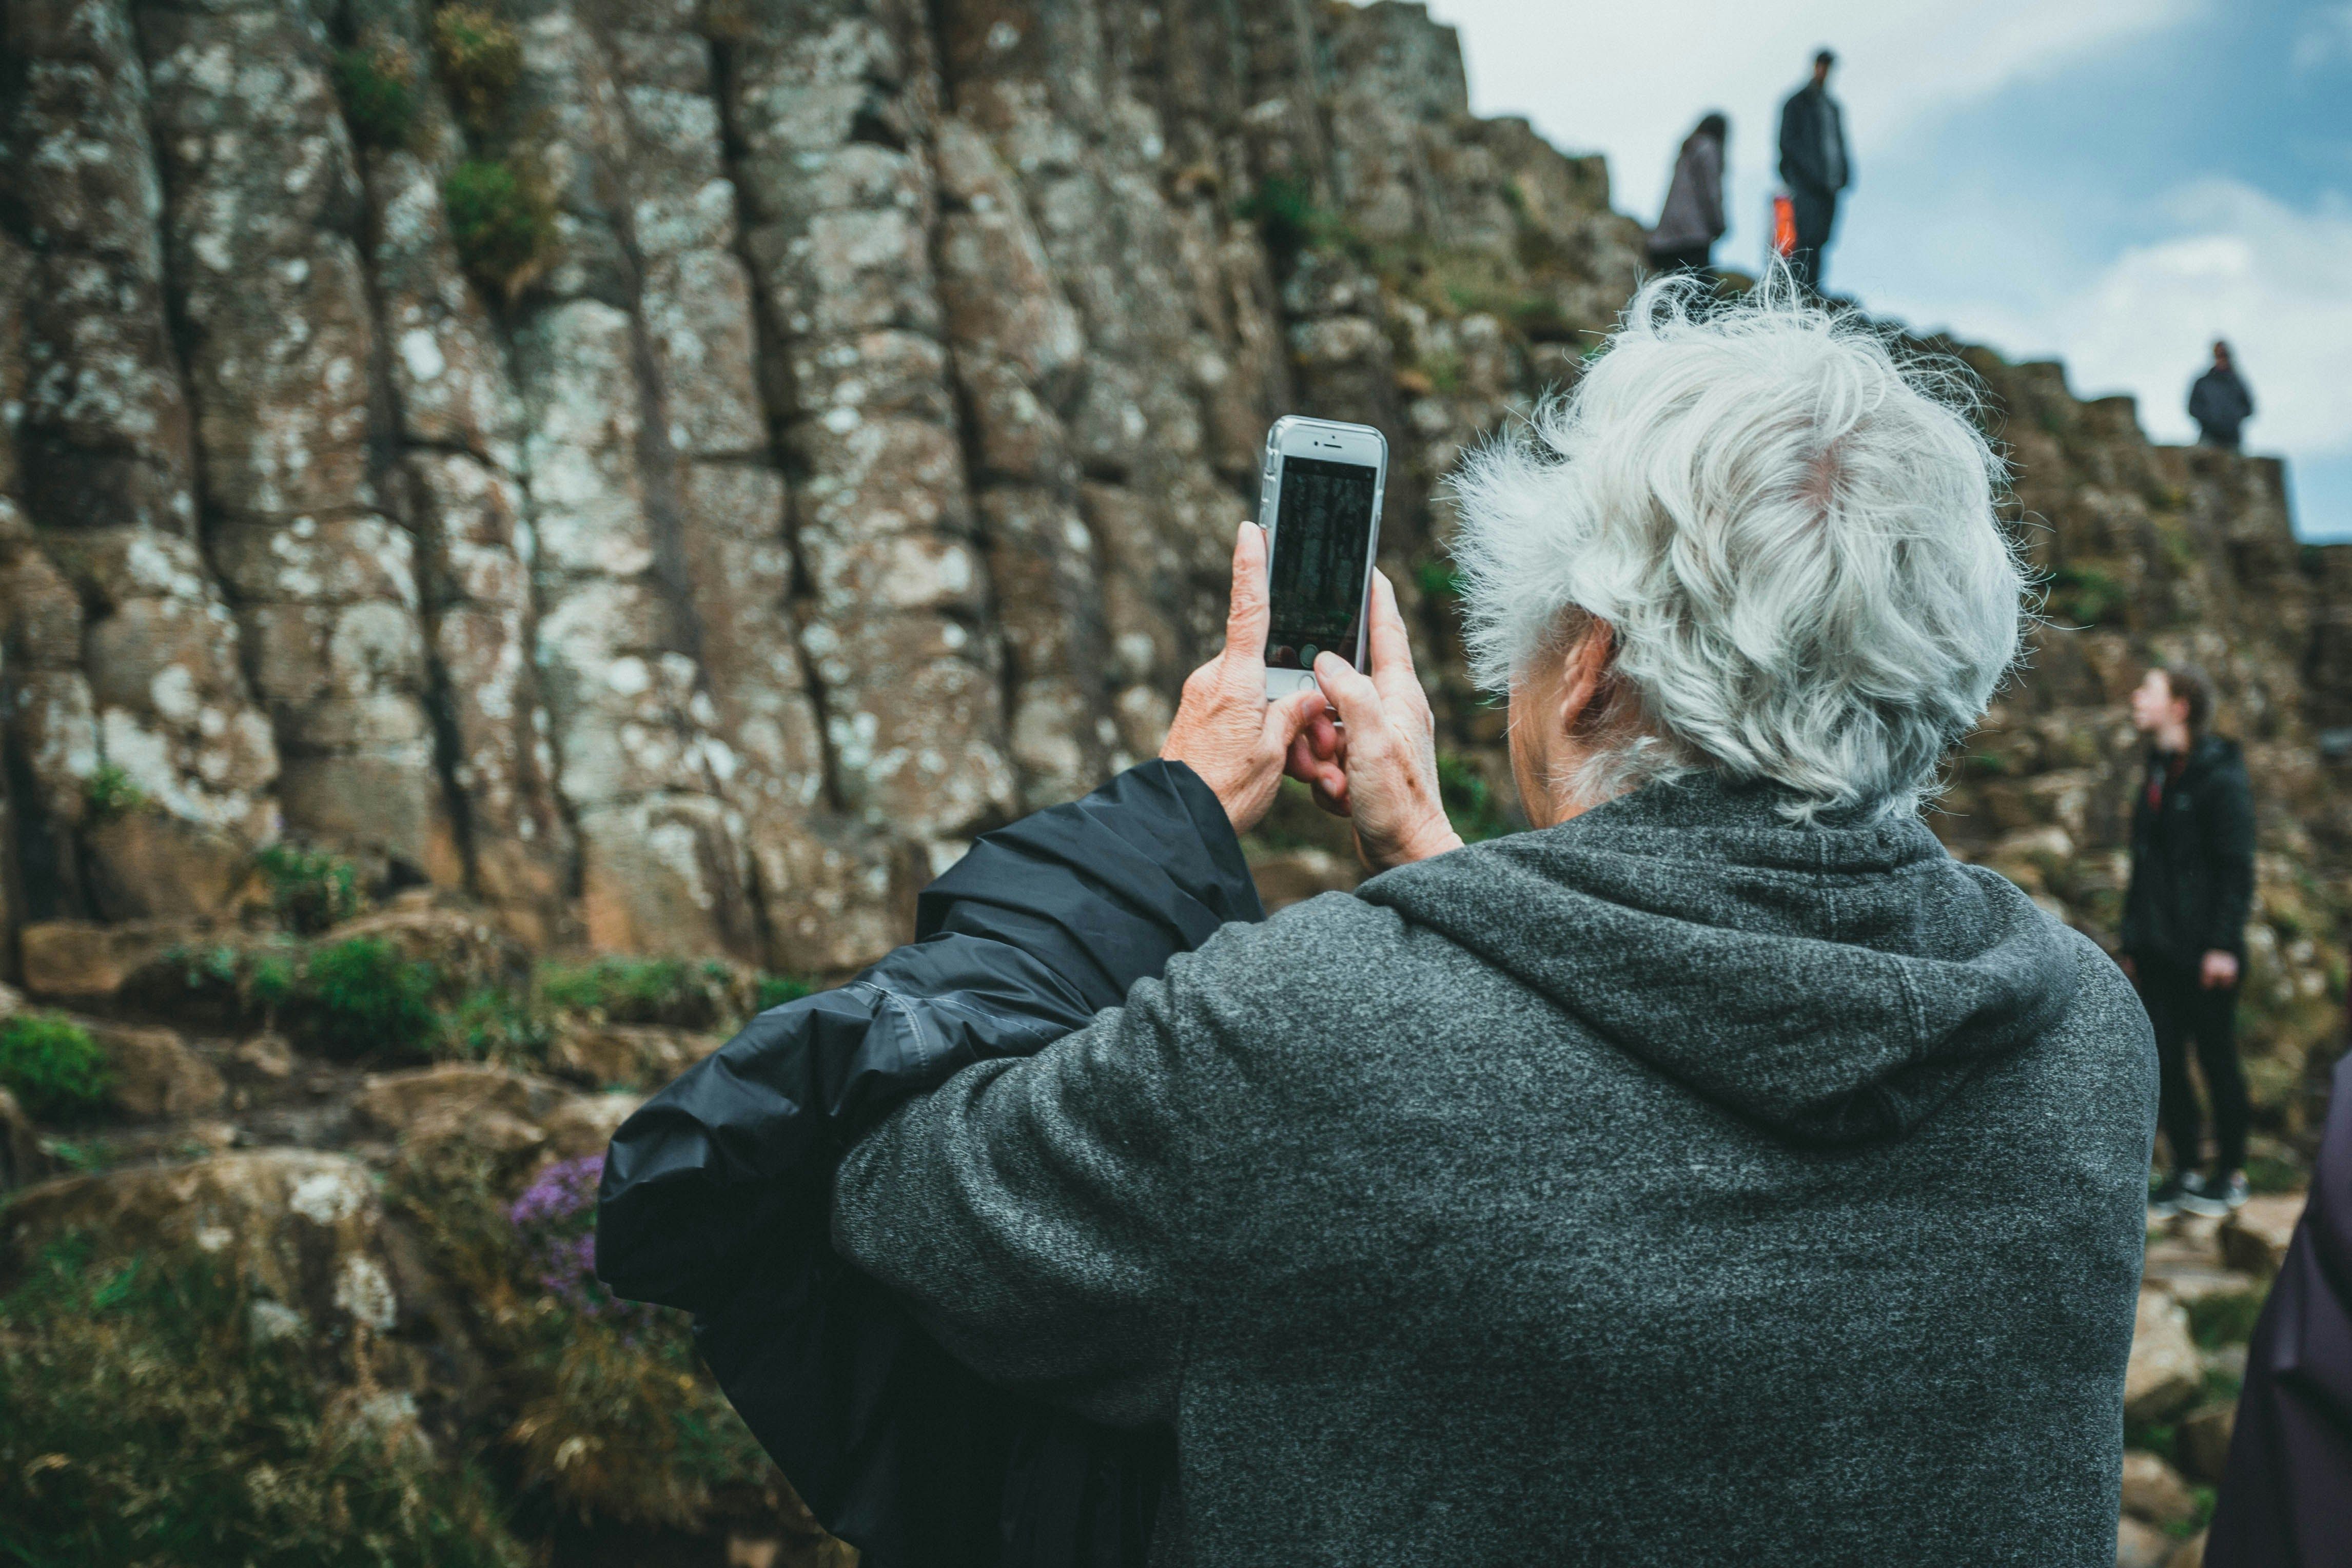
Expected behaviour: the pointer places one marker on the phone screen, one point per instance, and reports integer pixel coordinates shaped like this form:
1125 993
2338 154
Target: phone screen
1322 527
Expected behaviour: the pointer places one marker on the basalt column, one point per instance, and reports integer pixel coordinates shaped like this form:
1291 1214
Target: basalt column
262 210
140 767
832 110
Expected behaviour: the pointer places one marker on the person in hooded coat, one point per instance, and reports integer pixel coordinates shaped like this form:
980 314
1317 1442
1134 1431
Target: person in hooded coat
1720 1170
1692 221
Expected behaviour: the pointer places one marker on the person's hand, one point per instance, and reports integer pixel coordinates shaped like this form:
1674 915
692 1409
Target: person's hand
1378 766
1225 730
2219 970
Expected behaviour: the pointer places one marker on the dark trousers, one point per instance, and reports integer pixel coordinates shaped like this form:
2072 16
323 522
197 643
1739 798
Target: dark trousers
1816 214
2222 435
1695 258
2180 1010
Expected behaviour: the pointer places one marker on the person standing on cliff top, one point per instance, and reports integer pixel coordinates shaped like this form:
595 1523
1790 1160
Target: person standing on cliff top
2184 937
1814 165
2219 402
1684 239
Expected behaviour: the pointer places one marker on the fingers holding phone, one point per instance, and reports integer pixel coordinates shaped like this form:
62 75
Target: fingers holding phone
1225 730
1386 746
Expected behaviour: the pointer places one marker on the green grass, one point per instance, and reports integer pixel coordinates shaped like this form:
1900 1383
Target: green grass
363 996
1439 578
109 792
55 1069
479 58
2081 597
603 1411
502 220
377 87
775 990
676 991
310 889
493 1026
147 1424
2224 1318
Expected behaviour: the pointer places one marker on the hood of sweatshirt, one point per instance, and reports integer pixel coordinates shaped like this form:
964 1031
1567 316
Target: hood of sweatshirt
1834 983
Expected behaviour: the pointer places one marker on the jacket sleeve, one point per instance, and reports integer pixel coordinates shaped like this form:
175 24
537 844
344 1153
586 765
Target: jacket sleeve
1041 926
2228 840
1796 157
1048 1218
1710 186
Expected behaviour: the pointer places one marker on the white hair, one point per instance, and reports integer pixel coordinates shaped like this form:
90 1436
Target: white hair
1788 527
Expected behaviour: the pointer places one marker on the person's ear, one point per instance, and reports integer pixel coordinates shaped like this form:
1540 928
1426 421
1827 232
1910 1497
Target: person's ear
1584 679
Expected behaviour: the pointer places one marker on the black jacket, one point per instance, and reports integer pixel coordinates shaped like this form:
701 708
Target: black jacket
2192 857
716 1193
2220 403
2286 1497
1804 138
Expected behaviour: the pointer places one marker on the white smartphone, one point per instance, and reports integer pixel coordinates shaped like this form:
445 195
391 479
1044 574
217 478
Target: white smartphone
1321 506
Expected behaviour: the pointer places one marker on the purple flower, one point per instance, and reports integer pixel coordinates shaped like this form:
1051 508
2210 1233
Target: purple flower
555 1219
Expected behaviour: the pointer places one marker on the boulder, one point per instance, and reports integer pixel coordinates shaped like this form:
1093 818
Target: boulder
584 1124
145 863
487 1111
22 1159
156 1076
633 1054
80 958
2140 1546
490 1110
466 952
2255 1238
2153 1491
2164 1376
2202 1442
304 1227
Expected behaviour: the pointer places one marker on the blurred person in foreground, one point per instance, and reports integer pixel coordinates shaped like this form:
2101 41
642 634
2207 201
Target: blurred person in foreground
1719 1171
2286 1495
1692 221
1814 166
2184 936
2220 403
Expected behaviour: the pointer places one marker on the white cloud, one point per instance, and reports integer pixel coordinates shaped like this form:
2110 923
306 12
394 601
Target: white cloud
2275 280
2325 36
1630 80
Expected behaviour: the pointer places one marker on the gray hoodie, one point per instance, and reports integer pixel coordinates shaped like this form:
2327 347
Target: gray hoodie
1673 1187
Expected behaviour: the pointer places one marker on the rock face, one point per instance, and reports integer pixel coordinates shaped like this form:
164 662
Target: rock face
849 465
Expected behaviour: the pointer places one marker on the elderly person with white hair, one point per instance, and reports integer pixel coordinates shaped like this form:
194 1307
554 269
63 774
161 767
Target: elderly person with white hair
1719 1172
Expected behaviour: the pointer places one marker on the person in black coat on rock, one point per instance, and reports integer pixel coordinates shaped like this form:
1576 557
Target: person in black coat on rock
2184 936
2219 402
1814 165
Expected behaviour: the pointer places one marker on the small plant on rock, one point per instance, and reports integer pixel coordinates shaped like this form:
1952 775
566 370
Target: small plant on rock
502 220
603 1405
496 1026
149 1423
480 59
109 792
364 996
673 991
53 1067
309 889
377 87
775 990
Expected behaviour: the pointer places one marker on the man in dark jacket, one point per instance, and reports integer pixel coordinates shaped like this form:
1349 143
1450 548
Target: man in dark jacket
2184 936
2219 402
1814 166
1587 1196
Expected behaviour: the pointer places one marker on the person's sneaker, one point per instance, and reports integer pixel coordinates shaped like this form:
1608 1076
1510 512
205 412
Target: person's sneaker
2218 1196
2173 1192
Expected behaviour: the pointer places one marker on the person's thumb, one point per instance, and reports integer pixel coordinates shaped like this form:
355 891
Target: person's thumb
1286 719
1350 691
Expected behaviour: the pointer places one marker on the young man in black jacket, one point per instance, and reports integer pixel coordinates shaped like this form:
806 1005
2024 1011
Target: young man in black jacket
2184 935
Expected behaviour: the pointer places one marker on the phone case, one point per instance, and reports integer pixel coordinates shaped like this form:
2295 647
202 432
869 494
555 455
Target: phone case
1284 682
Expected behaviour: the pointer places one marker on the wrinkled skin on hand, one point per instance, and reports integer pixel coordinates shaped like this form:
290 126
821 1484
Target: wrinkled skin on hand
1225 730
1376 765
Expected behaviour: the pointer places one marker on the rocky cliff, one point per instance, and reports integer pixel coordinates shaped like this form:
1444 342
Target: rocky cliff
484 485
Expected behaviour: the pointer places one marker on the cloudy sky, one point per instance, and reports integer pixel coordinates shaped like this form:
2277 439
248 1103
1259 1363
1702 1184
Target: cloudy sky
2111 182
